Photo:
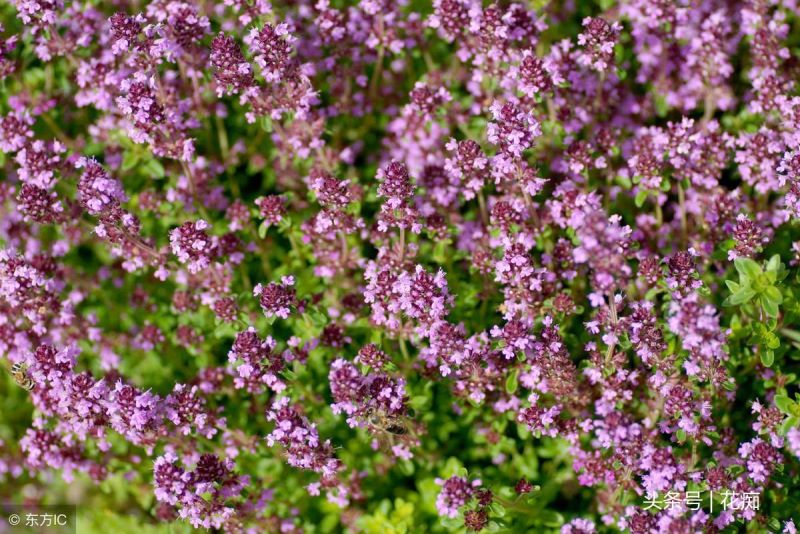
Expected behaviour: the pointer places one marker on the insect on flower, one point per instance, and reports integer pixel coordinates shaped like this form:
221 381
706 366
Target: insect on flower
19 371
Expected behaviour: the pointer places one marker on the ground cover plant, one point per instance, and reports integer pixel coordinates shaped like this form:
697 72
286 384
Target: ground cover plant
401 266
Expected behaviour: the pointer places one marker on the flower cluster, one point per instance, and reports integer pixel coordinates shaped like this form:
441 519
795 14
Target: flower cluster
361 397
191 244
519 266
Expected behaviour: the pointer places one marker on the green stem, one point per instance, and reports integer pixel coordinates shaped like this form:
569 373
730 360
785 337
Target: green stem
378 72
193 187
613 308
682 208
404 349
513 505
402 244
482 205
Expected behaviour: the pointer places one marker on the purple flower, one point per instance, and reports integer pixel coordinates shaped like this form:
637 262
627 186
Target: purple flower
232 72
271 208
456 492
39 204
38 12
272 49
793 441
534 75
38 162
371 356
579 526
258 364
761 459
276 299
330 191
98 192
125 32
301 442
15 131
395 184
422 296
512 130
365 397
598 39
191 244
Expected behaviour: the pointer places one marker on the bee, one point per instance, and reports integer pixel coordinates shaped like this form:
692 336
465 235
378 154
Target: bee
391 425
397 429
19 371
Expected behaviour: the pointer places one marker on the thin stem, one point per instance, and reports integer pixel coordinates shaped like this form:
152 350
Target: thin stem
402 244
512 505
682 208
345 251
614 319
60 135
551 110
193 186
710 106
378 73
659 214
482 205
222 136
404 349
263 252
599 96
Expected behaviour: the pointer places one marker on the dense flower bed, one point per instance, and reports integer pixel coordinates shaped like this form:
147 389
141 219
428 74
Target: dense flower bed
401 266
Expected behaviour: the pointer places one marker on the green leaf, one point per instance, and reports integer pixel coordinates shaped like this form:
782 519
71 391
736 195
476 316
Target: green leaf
789 423
550 518
740 297
794 335
511 382
784 404
624 181
641 196
154 168
452 524
767 358
661 105
773 294
418 402
498 509
747 268
440 251
285 224
130 160
774 263
773 341
770 307
318 318
733 286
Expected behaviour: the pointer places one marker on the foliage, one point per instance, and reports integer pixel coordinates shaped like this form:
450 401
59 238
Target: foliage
401 267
